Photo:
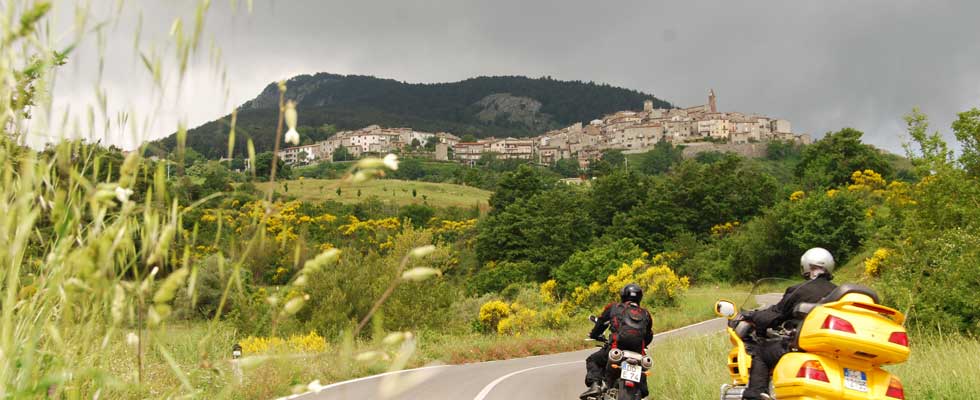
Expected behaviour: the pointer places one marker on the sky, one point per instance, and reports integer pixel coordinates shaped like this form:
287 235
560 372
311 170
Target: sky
823 65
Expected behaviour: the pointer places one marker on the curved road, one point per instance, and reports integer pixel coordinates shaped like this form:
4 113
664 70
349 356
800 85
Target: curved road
555 376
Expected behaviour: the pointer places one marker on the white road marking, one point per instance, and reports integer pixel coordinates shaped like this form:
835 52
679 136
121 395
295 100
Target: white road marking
486 389
333 385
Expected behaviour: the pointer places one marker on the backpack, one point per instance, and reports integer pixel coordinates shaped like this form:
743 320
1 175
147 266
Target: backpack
629 324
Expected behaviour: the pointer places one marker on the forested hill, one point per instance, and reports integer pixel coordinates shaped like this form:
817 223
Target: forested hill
484 106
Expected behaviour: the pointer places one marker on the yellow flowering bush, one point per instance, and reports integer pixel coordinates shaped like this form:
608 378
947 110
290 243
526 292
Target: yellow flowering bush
548 291
554 318
720 230
660 283
832 192
492 312
309 343
867 180
797 195
873 265
520 320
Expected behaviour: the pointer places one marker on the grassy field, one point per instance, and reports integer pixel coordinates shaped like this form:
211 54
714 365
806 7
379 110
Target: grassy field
394 190
941 367
203 353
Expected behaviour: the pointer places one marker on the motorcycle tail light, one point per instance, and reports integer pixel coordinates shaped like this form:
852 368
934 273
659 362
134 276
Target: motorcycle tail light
837 324
899 338
813 370
895 389
629 384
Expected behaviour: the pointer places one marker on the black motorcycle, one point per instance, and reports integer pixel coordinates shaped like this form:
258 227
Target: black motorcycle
624 371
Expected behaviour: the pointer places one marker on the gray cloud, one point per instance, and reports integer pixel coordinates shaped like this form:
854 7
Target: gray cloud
821 64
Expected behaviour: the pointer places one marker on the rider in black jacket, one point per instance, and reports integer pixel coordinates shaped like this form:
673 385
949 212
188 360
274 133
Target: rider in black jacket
631 328
817 265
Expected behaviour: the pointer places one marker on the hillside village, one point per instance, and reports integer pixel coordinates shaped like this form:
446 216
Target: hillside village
698 127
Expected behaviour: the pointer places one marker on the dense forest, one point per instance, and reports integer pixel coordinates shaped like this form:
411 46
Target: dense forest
327 102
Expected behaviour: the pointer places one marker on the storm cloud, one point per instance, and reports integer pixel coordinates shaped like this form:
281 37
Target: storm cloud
823 65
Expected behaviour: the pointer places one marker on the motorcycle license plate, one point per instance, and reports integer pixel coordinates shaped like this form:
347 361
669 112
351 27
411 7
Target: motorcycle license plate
631 372
855 380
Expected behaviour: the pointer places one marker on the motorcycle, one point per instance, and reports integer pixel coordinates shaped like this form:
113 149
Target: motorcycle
837 347
624 372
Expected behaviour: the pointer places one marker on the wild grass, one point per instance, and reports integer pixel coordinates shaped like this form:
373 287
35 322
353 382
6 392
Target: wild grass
394 190
942 366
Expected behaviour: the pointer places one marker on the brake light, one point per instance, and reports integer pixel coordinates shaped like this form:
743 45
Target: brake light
895 389
629 384
837 324
813 370
899 338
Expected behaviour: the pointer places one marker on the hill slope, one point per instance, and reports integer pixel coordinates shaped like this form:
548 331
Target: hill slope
394 190
485 106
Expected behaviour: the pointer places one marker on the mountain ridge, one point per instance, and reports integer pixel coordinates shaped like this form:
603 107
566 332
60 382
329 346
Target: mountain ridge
484 106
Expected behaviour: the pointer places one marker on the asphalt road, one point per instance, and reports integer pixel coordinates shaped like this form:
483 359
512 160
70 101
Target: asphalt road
555 376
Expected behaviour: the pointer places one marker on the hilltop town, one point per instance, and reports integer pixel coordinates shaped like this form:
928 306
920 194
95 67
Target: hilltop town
698 128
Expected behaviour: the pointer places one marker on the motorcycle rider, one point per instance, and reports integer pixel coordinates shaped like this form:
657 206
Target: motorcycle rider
817 266
631 328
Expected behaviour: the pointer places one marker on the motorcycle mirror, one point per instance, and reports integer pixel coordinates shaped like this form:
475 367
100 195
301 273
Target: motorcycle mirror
593 318
726 309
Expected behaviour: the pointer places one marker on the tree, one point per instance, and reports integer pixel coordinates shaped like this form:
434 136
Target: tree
263 166
782 149
567 167
543 229
933 155
615 158
415 143
519 184
342 154
431 142
594 264
410 169
615 193
419 214
831 160
468 138
835 222
211 176
967 131
659 160
693 197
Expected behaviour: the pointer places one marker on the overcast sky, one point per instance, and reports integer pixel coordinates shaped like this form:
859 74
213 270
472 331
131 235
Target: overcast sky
823 65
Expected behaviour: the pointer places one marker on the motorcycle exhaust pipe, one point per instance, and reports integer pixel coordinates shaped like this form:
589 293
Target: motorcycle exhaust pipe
615 355
646 362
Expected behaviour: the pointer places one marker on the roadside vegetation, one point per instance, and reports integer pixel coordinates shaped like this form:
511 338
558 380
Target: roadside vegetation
131 275
694 368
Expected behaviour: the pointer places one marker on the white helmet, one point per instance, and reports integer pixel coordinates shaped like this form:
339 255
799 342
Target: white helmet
816 258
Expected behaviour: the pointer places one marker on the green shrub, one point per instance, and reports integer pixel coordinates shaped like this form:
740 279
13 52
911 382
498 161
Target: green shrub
496 276
340 296
419 214
935 279
595 263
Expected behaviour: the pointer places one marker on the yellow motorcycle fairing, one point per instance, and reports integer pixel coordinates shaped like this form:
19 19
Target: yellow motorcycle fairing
739 360
856 327
796 376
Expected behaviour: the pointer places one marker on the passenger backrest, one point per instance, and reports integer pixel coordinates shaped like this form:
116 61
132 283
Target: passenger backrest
846 288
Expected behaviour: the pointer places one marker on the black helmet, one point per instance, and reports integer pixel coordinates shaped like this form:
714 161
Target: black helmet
631 292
